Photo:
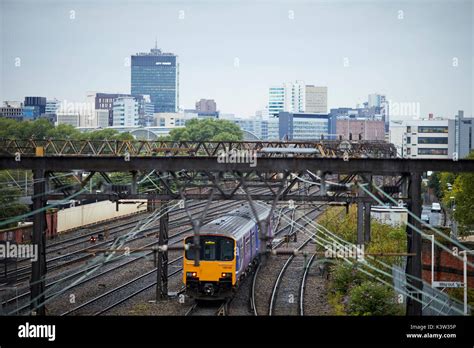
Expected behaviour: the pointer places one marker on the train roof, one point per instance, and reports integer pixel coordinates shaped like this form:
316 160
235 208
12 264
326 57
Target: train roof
236 222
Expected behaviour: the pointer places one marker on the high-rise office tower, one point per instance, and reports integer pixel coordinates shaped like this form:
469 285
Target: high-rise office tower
156 74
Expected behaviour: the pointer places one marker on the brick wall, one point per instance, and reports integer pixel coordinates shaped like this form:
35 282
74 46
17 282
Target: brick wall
447 266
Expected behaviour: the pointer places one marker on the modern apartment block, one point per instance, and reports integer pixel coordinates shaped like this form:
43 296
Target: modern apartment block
52 106
125 112
297 97
316 99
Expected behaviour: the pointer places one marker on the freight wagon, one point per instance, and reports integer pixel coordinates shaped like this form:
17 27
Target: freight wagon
63 220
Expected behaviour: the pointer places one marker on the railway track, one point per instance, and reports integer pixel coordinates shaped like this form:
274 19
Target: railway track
129 260
264 294
147 281
124 291
209 308
82 254
303 285
286 291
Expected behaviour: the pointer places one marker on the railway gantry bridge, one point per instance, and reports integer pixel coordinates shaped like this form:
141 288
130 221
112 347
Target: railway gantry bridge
222 171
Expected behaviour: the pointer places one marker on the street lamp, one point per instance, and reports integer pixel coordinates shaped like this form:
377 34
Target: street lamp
453 209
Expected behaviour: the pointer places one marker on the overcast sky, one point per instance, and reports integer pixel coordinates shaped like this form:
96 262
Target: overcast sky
412 51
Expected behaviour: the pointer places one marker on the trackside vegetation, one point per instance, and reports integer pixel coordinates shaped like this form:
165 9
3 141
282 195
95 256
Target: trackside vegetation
351 291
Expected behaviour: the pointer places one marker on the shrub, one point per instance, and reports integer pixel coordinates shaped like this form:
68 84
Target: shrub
371 298
344 276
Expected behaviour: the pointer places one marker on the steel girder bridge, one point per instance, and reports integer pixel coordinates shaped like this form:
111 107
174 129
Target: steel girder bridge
201 170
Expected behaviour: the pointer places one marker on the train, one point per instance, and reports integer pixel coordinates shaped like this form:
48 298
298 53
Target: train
230 248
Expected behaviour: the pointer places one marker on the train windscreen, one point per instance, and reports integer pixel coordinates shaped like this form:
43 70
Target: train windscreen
213 248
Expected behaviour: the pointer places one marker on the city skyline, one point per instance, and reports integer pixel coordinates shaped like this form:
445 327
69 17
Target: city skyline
407 51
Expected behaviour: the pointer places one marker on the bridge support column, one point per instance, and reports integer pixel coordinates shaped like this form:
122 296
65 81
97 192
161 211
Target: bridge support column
413 267
162 263
134 187
322 188
38 267
360 223
367 208
360 219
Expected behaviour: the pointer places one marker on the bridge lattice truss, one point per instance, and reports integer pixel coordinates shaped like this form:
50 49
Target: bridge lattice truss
318 149
191 170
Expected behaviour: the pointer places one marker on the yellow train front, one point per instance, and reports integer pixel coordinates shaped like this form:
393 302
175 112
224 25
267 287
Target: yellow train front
229 250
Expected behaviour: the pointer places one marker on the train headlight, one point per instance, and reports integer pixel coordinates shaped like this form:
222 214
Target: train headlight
226 275
191 274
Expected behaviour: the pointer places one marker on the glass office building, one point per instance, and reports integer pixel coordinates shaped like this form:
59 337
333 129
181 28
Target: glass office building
156 74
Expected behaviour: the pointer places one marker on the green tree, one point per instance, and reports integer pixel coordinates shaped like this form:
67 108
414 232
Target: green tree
434 184
24 130
42 129
207 130
10 206
463 192
102 134
446 181
63 131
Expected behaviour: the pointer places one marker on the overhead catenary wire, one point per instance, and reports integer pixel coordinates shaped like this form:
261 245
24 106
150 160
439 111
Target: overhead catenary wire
375 268
38 195
360 264
417 230
320 241
413 227
334 236
33 212
431 227
100 260
32 181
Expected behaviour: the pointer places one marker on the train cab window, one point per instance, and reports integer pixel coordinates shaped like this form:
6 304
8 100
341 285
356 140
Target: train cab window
227 246
210 250
213 248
